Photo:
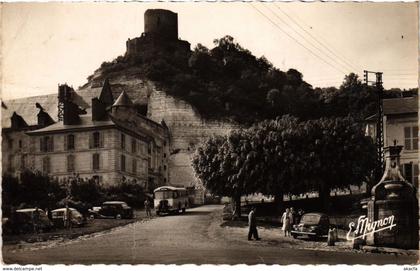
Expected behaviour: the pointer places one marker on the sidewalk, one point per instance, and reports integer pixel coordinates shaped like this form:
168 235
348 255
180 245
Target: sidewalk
273 235
94 226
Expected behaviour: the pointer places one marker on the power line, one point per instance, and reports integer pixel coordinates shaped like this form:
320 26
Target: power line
304 38
325 43
298 42
320 43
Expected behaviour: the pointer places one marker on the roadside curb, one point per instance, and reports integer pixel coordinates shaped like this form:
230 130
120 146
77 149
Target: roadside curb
388 250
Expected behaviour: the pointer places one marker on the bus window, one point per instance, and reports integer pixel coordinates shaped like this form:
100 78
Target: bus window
163 194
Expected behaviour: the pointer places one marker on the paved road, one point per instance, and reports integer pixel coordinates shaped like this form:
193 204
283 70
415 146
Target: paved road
194 237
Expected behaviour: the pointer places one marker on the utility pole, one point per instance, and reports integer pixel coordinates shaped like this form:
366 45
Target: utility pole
379 140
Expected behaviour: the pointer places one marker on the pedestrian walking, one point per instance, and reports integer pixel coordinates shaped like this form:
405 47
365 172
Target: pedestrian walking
147 208
252 223
285 218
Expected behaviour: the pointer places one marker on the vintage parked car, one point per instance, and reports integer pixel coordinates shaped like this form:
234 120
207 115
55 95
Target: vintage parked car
112 209
313 225
23 221
76 218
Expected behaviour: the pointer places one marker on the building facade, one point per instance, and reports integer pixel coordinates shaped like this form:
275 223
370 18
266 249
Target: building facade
401 127
110 144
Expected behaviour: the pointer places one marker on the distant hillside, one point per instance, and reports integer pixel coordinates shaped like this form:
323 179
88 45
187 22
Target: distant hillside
229 82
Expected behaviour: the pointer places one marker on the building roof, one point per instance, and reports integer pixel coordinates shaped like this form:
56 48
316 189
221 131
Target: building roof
123 100
26 108
85 122
396 106
106 94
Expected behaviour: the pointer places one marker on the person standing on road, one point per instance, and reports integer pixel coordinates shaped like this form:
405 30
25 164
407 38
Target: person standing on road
147 208
252 223
292 216
285 218
35 219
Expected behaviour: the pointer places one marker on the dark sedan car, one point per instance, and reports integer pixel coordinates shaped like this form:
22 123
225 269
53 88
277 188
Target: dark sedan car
112 209
312 225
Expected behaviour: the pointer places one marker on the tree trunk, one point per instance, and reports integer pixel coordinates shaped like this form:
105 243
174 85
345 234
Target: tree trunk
278 201
324 197
237 200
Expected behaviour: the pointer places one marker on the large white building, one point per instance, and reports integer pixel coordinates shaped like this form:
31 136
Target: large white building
110 143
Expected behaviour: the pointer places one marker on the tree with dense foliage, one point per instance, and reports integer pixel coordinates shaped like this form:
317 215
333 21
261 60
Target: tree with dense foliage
285 156
227 166
337 154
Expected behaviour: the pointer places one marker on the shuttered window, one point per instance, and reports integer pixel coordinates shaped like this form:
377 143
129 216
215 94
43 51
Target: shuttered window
134 166
69 142
123 141
70 163
122 163
133 145
95 161
46 167
411 137
46 144
96 140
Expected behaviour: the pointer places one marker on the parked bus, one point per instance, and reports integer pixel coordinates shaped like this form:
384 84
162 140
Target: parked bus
169 199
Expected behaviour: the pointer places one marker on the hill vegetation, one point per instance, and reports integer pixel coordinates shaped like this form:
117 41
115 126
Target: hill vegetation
229 82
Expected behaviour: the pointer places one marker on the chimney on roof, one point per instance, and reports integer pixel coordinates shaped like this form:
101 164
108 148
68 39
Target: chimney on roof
68 111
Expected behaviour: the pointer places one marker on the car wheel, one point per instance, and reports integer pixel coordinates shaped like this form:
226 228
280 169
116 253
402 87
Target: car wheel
118 216
294 236
183 210
157 213
92 216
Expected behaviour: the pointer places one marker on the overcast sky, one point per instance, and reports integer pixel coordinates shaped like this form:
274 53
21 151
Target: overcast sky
45 44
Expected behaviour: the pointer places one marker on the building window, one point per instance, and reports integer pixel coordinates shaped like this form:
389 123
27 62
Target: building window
149 162
10 145
411 137
47 144
46 166
411 173
10 167
96 140
133 145
23 162
70 142
20 144
149 148
164 155
95 161
164 167
134 169
122 163
70 163
123 141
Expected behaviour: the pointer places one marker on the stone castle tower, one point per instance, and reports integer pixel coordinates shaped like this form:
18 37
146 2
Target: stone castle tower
160 35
